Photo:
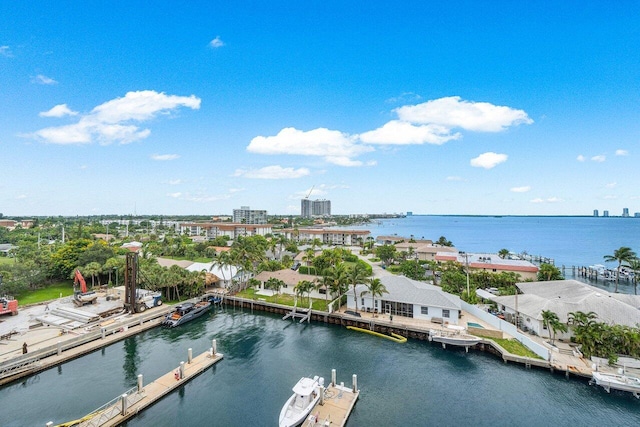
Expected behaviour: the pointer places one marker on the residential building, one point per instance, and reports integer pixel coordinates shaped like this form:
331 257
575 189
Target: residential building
595 212
245 215
605 213
290 278
491 263
327 236
315 208
11 224
409 298
215 229
563 297
625 212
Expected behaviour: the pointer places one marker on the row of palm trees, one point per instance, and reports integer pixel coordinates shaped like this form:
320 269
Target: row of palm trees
603 340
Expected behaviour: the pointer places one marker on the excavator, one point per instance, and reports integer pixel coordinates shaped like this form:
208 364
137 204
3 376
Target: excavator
81 296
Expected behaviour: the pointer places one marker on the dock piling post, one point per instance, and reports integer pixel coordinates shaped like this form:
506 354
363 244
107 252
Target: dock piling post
141 320
181 370
59 344
214 346
189 356
123 401
49 424
140 387
355 383
333 377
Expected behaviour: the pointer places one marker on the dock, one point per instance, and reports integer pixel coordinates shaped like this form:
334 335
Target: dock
129 404
335 406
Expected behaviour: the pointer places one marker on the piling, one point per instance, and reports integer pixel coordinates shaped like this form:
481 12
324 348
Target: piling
355 383
140 388
333 377
189 355
123 401
181 370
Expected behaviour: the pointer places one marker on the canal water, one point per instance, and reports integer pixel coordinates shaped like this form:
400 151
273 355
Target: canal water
412 384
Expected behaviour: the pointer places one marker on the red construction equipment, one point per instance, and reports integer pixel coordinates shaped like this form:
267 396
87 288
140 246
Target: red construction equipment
82 297
79 279
8 305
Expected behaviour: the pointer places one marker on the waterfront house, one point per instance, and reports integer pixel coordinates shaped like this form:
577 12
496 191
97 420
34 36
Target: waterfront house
290 278
339 237
409 298
563 297
491 263
216 276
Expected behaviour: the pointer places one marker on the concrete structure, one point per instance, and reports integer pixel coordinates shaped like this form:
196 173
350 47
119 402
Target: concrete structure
409 298
245 215
605 213
327 236
12 225
212 230
563 297
491 263
625 212
595 212
315 208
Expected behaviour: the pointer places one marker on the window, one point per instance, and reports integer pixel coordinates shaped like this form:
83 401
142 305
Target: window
322 291
362 303
375 303
424 310
445 313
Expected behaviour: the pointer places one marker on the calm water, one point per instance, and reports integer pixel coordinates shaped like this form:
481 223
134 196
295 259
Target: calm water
415 384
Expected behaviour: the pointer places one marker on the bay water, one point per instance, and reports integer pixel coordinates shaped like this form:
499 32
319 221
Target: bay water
412 384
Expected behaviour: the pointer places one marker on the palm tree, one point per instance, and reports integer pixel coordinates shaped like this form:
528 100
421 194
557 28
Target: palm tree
375 288
337 275
585 330
623 254
304 287
503 253
553 324
634 265
221 260
356 276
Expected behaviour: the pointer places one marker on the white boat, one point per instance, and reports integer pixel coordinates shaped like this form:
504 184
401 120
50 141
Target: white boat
618 381
306 394
454 335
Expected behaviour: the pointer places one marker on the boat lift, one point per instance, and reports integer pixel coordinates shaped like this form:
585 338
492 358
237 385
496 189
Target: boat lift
303 314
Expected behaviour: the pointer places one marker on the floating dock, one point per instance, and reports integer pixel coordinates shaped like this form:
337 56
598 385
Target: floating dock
129 404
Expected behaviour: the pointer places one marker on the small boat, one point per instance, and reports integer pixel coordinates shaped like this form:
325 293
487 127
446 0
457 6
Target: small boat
454 336
185 312
619 381
306 394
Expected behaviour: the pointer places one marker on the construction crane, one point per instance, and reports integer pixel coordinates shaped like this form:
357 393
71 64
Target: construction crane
309 193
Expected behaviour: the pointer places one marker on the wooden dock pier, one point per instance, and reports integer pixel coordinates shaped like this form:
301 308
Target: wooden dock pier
129 404
338 404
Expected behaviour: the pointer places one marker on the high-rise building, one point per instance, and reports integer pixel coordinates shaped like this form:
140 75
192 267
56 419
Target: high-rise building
605 213
313 208
244 215
625 212
595 212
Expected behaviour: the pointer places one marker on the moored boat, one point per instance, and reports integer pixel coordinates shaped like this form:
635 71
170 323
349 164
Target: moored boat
454 335
619 381
306 394
187 311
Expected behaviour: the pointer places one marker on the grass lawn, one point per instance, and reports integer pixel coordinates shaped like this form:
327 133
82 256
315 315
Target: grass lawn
514 346
48 293
6 260
284 299
197 259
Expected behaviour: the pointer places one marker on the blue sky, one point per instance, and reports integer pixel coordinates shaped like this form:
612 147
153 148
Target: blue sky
524 108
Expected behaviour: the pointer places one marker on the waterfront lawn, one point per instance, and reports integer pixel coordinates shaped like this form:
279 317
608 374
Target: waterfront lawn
284 299
514 346
48 293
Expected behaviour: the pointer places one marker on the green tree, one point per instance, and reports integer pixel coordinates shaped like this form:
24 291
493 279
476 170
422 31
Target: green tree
622 254
634 265
442 241
548 272
453 281
553 324
386 253
412 269
275 285
503 253
338 279
357 275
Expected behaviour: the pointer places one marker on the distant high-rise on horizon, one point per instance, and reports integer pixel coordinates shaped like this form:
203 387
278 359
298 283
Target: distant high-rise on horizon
625 212
245 215
595 212
605 213
312 208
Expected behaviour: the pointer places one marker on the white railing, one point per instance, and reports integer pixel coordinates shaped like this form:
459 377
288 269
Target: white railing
507 327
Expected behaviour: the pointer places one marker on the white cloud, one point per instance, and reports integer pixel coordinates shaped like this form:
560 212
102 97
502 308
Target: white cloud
611 185
523 189
402 133
332 145
488 160
235 190
175 195
21 196
272 172
165 157
610 197
175 182
452 112
404 97
111 122
43 80
217 42
548 200
621 152
455 178
580 158
6 51
601 158
59 110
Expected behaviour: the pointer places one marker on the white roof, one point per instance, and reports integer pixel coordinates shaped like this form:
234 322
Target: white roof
403 289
